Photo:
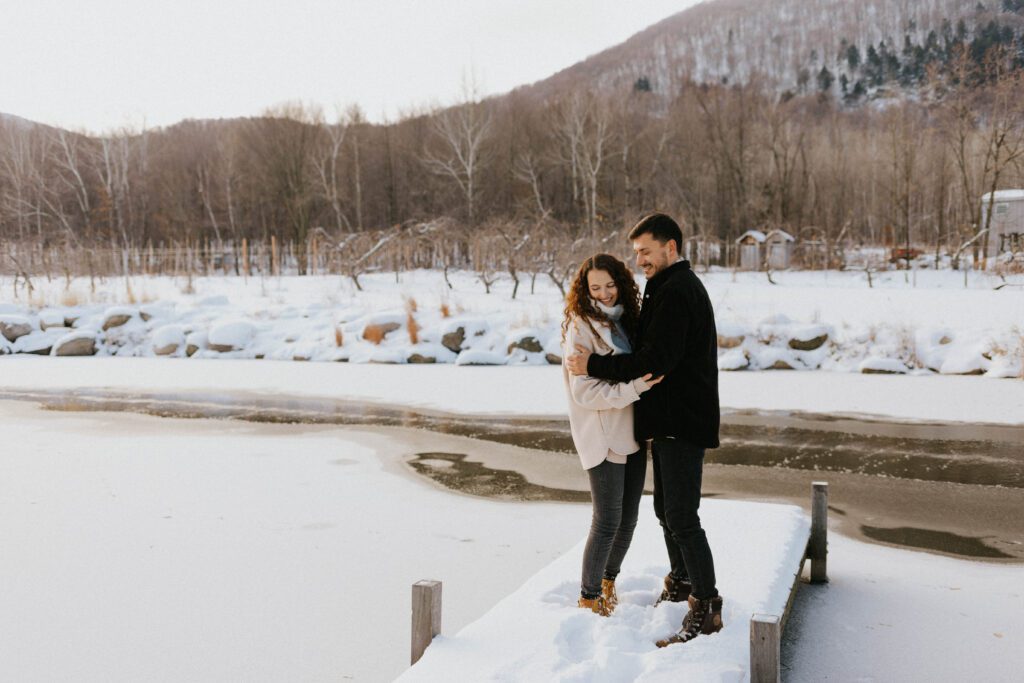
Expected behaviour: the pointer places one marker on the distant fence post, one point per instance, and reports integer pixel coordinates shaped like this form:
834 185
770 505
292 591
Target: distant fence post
818 547
426 616
765 644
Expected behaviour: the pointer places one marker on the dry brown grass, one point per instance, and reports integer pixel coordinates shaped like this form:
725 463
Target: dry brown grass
446 312
413 328
339 337
410 305
70 297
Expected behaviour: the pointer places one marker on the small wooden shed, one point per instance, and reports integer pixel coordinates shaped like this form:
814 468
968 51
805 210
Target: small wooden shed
778 246
1007 228
751 246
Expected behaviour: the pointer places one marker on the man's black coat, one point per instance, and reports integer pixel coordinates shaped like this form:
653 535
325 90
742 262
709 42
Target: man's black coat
676 337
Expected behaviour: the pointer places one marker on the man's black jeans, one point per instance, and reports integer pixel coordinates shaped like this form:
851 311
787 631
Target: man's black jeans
678 468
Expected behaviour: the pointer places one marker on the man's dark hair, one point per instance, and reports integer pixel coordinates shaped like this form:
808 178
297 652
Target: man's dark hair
659 226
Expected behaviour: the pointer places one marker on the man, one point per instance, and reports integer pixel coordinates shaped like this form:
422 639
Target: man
676 337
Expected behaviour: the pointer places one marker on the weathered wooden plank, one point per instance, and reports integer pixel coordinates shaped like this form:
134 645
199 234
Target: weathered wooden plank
426 616
765 644
818 546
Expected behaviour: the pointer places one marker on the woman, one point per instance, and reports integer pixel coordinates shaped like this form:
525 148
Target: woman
601 313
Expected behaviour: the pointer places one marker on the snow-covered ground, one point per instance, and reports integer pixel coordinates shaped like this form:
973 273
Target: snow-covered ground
140 548
809 320
513 391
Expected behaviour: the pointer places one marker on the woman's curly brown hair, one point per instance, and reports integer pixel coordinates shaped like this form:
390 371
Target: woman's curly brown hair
579 304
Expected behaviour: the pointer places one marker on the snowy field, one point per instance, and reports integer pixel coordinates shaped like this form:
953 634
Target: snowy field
143 548
809 320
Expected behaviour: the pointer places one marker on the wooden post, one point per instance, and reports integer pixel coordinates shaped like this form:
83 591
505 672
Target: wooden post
426 616
818 546
274 269
765 642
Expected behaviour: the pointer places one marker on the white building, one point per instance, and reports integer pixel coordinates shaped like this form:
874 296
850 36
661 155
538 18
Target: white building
1007 228
751 248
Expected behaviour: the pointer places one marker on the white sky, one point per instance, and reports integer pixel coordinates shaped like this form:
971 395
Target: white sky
101 64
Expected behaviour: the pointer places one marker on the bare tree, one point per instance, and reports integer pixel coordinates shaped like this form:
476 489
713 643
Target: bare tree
463 131
116 178
527 169
583 127
325 161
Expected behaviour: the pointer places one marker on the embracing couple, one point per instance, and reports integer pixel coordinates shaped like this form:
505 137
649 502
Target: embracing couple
637 373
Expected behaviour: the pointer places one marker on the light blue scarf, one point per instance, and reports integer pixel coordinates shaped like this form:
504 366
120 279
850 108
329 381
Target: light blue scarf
620 340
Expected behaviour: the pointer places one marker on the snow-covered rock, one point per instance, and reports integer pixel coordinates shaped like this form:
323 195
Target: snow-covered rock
965 360
116 316
477 357
730 334
455 332
194 342
527 340
52 317
229 336
77 343
733 359
807 337
874 365
39 343
13 326
1006 366
168 340
160 310
776 358
430 353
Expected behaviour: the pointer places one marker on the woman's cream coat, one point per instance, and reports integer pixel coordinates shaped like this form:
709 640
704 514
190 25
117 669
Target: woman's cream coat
600 413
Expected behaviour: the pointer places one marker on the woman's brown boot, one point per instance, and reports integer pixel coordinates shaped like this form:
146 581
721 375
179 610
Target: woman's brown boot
596 605
611 598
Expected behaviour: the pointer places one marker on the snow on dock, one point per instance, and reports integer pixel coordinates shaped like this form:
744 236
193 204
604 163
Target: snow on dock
538 633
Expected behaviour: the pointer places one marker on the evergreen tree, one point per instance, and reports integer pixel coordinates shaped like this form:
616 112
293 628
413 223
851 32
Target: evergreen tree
825 79
931 46
890 62
875 71
853 56
642 85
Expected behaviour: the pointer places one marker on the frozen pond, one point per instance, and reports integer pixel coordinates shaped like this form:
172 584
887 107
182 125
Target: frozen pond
893 483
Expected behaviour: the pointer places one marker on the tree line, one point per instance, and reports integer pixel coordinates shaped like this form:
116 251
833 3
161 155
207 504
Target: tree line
521 178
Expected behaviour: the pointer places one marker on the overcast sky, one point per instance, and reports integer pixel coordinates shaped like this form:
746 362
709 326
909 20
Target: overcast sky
102 64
